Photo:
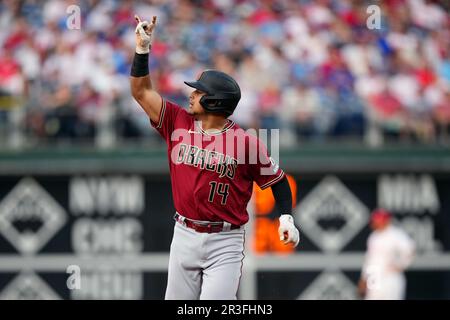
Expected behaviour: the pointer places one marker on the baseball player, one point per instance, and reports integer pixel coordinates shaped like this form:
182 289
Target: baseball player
389 252
211 185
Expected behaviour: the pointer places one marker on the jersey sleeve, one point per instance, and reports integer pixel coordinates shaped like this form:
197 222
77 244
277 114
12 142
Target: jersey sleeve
168 119
266 171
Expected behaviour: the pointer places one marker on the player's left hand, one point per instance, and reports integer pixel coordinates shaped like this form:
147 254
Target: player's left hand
287 231
144 31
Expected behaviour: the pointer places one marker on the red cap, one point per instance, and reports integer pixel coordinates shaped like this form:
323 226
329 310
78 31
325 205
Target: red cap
381 215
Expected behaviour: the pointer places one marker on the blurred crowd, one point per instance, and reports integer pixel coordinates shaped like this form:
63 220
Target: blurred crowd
316 69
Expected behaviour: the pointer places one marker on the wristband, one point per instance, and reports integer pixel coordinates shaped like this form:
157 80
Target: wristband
139 67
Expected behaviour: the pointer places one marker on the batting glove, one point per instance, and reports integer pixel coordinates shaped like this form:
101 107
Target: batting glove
287 231
143 32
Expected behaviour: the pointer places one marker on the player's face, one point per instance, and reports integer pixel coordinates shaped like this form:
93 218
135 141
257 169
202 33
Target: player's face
195 107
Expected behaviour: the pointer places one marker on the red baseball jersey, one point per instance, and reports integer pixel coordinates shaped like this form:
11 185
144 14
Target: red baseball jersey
212 174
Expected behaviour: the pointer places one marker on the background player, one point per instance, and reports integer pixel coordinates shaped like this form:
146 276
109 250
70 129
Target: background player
210 187
389 252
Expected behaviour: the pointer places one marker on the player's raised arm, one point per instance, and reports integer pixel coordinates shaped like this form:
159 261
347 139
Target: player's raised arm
140 82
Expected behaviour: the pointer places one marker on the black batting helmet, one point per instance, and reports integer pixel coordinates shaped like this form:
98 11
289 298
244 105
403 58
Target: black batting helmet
222 91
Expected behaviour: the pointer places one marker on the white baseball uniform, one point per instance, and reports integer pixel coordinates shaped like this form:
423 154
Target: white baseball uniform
389 252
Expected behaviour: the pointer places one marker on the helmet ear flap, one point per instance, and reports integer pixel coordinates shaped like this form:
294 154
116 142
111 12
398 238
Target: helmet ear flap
208 103
202 101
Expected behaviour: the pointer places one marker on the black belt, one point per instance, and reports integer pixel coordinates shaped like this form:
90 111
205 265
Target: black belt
205 226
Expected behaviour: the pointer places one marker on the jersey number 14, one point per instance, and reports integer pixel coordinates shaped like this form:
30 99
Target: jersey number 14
218 188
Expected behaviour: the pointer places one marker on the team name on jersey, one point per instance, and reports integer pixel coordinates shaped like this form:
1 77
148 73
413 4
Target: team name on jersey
209 160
